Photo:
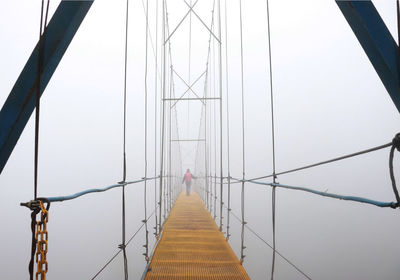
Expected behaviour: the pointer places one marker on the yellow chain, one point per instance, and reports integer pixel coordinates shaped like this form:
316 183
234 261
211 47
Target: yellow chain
41 238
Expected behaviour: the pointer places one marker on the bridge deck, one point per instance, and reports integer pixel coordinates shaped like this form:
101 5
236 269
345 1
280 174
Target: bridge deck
192 247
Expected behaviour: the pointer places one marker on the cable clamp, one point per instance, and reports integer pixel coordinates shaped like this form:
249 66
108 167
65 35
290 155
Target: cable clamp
122 183
244 223
122 246
394 205
33 205
144 221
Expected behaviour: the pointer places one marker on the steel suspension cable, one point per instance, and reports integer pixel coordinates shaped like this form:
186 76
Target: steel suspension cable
38 90
146 246
242 256
273 144
162 119
325 162
266 243
227 124
42 37
221 202
189 62
119 251
215 133
171 88
123 245
155 121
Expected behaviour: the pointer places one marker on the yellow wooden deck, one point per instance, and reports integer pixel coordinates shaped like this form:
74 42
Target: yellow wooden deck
192 247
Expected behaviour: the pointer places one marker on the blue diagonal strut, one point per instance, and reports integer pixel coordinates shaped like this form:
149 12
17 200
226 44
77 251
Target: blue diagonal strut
20 103
377 42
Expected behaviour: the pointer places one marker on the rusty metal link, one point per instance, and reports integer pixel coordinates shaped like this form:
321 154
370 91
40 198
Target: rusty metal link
42 245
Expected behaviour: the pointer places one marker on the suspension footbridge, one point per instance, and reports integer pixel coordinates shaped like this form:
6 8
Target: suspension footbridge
187 118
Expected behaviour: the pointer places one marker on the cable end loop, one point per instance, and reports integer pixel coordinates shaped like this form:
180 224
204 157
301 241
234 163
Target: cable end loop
396 141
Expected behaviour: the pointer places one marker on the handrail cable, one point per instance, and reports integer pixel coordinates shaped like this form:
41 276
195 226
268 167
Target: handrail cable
332 195
89 191
266 243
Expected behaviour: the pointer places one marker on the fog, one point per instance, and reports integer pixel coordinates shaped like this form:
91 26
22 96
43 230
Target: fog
328 101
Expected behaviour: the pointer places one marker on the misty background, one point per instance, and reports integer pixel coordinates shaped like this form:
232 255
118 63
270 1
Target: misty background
328 100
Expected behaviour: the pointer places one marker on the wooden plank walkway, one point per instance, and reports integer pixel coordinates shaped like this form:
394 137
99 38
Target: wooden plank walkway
192 247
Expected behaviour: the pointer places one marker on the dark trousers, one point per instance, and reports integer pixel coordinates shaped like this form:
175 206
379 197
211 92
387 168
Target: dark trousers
188 184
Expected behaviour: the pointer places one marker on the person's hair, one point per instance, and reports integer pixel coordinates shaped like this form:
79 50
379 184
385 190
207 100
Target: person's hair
188 170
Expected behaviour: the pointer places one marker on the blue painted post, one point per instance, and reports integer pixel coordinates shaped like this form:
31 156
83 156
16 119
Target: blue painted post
376 41
20 103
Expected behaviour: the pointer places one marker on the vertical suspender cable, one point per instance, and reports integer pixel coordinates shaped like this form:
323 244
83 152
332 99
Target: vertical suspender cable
227 122
189 62
273 142
42 37
170 146
162 119
123 246
221 202
212 89
155 122
207 89
243 130
146 246
205 140
37 112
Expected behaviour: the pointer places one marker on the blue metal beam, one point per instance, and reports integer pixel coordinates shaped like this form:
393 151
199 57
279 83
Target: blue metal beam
20 103
376 41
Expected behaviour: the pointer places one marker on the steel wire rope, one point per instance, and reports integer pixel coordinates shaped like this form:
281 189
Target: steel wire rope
119 251
42 37
208 136
242 247
189 62
273 203
395 146
212 117
266 243
155 120
171 89
151 37
227 124
162 116
146 246
324 162
123 245
221 202
215 128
